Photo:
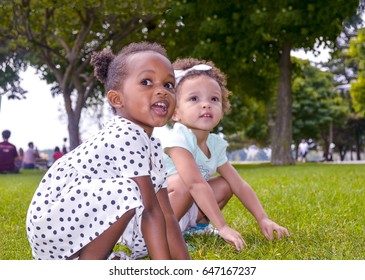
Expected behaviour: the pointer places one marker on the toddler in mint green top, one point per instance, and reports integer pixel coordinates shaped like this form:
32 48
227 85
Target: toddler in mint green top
200 179
181 136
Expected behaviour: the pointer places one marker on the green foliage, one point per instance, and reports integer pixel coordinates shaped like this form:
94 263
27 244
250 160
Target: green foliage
10 59
220 34
302 23
320 204
246 39
358 94
316 103
9 75
350 136
58 38
356 55
62 35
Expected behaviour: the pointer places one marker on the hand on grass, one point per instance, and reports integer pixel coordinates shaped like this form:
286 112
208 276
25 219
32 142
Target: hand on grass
232 237
268 227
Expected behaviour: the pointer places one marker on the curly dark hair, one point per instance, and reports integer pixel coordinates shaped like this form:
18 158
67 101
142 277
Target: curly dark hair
111 69
6 134
214 73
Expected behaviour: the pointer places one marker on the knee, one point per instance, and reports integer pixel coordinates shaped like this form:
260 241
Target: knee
227 191
181 191
177 188
222 190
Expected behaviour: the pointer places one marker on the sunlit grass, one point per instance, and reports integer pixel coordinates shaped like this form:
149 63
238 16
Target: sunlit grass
16 192
322 205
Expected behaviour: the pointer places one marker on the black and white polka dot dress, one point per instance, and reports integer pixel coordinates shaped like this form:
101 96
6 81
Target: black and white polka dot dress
88 189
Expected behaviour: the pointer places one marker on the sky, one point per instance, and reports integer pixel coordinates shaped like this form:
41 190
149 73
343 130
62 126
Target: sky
40 118
36 118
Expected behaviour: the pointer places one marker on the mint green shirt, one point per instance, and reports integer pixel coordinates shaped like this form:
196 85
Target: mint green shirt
181 136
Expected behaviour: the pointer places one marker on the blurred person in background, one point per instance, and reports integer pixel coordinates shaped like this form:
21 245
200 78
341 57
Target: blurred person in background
8 155
30 157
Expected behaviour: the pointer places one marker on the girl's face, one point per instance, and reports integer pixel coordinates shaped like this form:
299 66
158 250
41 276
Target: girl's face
147 96
199 103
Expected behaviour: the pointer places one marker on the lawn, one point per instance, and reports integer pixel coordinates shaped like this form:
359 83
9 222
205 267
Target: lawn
322 205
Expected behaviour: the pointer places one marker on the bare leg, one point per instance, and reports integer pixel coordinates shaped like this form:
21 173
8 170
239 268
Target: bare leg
181 200
101 247
179 196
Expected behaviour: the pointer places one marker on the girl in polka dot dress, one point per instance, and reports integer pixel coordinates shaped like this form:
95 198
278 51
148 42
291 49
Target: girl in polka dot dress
112 188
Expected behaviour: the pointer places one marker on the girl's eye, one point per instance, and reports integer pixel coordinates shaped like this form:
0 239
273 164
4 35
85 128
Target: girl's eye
169 85
193 98
215 99
146 82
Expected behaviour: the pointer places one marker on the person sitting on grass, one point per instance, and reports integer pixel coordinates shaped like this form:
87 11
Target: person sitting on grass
111 189
193 155
8 155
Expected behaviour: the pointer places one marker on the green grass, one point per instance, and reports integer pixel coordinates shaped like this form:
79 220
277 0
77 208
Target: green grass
16 192
322 205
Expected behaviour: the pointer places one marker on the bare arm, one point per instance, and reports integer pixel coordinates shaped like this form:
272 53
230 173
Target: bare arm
198 187
153 221
242 190
249 199
202 193
177 246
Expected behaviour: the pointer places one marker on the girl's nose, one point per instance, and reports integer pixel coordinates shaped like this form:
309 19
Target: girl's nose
160 91
206 104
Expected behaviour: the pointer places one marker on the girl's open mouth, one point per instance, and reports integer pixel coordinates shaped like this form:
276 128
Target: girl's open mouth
160 108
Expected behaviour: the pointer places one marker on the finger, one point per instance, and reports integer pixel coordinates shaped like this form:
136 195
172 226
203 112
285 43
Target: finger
269 234
239 245
279 233
284 231
243 243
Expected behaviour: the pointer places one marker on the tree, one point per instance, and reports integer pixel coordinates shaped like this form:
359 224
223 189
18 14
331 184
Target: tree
345 70
356 55
219 30
58 38
349 136
317 106
10 65
252 41
289 25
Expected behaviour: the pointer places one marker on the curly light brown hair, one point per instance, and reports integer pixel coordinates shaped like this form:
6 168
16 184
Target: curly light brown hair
214 73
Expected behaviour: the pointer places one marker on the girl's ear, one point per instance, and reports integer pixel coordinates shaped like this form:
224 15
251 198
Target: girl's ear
115 99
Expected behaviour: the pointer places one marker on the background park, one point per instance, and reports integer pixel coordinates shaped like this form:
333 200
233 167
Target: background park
277 100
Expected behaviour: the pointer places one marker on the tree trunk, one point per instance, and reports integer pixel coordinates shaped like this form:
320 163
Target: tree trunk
326 148
73 131
358 143
342 152
73 117
282 130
